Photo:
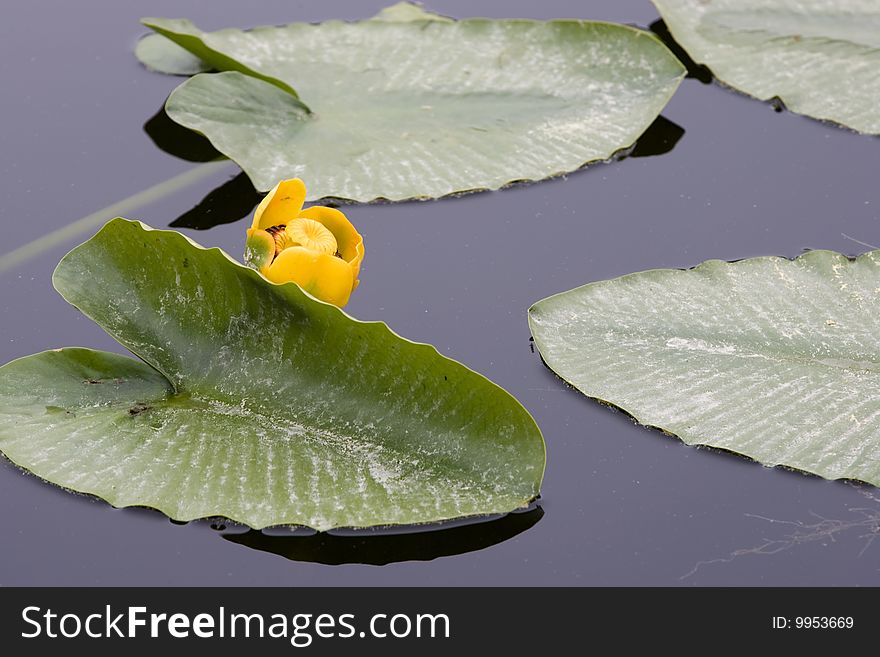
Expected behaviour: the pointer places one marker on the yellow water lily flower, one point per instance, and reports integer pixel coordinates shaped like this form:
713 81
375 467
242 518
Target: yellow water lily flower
316 248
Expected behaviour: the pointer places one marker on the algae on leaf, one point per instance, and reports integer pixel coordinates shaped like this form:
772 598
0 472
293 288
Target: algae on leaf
775 359
255 401
412 105
820 58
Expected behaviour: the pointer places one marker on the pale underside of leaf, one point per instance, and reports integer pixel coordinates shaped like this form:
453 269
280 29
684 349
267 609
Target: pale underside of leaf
426 108
820 58
256 402
768 357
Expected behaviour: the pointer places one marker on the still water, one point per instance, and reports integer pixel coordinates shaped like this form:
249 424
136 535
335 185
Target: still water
720 176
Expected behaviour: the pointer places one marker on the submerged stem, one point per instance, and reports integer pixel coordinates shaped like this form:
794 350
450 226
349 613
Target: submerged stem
127 205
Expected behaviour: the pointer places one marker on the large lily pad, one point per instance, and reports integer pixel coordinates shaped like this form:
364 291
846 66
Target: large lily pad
163 56
820 58
409 105
772 358
255 401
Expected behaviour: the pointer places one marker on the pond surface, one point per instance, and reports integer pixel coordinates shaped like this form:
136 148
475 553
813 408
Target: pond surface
621 504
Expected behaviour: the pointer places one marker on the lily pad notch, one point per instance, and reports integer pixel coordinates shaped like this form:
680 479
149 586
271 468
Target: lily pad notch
411 105
771 358
256 402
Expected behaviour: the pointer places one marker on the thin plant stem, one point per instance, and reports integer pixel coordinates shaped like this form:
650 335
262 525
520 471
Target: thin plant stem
127 205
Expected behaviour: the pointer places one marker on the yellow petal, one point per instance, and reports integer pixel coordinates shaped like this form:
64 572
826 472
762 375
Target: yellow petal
349 242
282 205
323 276
312 235
259 249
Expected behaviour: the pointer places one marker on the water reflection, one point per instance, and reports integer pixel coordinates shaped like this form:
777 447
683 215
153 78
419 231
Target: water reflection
229 202
660 137
697 71
378 547
178 141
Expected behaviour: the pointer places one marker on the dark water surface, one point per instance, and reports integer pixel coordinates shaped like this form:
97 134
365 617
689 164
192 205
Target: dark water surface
621 505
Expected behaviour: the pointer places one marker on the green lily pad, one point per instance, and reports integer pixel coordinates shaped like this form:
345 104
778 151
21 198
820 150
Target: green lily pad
182 34
412 105
820 58
775 359
163 56
255 401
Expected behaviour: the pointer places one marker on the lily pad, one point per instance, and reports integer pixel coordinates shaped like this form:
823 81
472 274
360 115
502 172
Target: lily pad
163 56
255 401
820 58
775 359
412 105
